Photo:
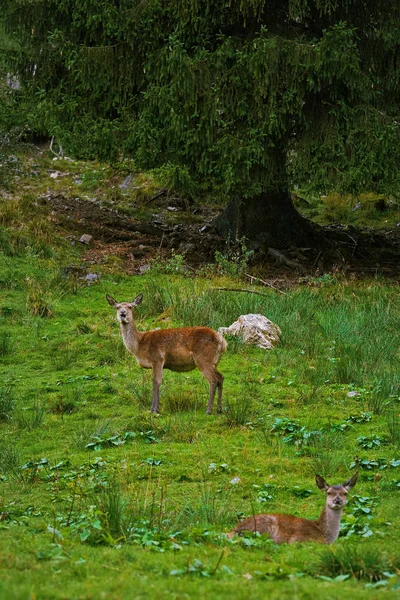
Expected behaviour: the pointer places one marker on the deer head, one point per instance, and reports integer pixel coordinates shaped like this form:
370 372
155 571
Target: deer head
124 309
336 494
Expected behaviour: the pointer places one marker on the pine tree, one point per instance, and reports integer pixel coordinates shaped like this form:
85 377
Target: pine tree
244 97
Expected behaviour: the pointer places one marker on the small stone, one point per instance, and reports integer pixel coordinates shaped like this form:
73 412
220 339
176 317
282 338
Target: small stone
125 184
235 481
353 394
144 268
91 277
86 238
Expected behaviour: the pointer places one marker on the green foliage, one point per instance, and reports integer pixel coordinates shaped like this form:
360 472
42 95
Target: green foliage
235 260
293 433
363 417
368 442
220 96
263 492
119 440
198 568
174 265
370 464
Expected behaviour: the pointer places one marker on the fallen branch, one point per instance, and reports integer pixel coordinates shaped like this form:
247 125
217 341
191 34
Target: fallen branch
60 154
155 197
239 290
281 258
251 277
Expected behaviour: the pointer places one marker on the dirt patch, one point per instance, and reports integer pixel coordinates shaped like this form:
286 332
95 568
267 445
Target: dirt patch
134 243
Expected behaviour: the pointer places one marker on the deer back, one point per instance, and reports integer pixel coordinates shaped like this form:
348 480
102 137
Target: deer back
181 346
282 528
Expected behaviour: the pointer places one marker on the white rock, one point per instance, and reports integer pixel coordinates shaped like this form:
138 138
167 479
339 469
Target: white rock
235 481
254 329
86 238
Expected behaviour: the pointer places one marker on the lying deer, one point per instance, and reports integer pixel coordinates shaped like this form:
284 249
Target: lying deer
289 529
181 350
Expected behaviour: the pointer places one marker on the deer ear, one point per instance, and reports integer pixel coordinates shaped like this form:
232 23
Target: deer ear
137 300
321 483
111 301
351 482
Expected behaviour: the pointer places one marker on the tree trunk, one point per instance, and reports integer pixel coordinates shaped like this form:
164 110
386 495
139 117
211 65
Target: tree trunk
267 221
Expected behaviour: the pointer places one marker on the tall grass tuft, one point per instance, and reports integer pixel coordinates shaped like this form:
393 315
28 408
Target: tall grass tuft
7 403
86 431
384 389
31 418
6 343
6 245
113 505
212 508
239 412
359 562
182 429
179 397
393 425
38 300
141 392
9 457
62 356
328 455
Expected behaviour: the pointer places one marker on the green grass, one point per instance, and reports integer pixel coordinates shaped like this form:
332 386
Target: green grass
80 522
100 498
366 210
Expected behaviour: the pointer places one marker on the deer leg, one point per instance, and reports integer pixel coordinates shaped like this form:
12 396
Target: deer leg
213 378
219 385
157 379
213 387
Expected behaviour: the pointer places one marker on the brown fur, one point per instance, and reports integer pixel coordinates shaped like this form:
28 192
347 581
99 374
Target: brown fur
181 349
288 528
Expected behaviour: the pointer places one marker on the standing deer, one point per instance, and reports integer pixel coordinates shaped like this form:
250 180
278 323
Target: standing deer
289 529
180 350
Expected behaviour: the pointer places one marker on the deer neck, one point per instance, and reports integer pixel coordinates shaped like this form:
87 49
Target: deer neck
131 337
329 523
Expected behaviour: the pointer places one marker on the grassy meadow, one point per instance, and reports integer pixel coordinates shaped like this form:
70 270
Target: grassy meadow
101 499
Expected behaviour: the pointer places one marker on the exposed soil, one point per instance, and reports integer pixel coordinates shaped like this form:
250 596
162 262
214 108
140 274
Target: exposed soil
135 243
